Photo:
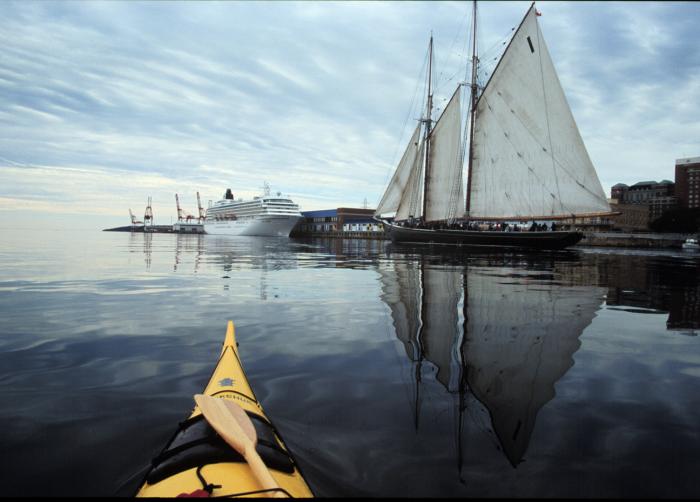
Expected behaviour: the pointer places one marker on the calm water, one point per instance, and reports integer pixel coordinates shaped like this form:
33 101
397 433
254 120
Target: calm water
390 371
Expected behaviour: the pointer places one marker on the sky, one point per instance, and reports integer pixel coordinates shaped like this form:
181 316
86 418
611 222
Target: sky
103 104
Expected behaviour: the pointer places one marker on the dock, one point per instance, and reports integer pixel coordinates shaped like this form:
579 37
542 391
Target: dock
634 240
161 229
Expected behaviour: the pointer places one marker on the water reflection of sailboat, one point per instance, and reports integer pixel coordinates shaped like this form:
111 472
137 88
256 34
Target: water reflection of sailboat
509 343
423 302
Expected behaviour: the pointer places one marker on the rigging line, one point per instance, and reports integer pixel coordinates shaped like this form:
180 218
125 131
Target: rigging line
444 84
546 114
439 83
403 127
457 187
496 48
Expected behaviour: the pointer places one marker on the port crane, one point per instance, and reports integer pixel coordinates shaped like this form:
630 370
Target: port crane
202 213
180 213
134 221
148 215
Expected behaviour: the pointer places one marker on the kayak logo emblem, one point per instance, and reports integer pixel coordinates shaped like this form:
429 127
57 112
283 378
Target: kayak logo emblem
227 382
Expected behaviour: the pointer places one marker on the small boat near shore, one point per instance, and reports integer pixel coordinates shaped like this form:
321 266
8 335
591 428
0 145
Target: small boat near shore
691 244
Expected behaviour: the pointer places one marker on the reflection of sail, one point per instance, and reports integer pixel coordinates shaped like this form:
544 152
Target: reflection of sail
424 309
401 291
520 340
442 290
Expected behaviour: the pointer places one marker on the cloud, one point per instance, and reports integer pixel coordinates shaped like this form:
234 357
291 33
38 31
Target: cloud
204 96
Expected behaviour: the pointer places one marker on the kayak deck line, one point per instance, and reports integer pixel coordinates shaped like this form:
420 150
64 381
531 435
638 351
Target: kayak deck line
196 461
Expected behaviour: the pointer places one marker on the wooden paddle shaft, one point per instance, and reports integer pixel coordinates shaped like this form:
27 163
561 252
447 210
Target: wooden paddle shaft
260 470
232 423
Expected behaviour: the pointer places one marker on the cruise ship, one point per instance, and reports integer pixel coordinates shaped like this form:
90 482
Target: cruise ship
267 215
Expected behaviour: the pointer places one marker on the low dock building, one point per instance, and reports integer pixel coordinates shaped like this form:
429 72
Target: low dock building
340 222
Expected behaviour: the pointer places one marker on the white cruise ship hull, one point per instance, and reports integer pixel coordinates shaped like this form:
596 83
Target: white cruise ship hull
268 225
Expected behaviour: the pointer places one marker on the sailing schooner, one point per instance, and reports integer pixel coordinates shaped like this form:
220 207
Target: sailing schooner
526 159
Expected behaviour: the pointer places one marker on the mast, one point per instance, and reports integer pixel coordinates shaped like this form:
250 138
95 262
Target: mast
428 123
472 112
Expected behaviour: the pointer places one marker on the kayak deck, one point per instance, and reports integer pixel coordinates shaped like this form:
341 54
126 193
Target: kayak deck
198 462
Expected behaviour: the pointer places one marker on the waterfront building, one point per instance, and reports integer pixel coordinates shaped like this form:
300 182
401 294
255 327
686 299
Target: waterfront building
323 221
656 198
618 192
341 221
688 182
187 227
365 224
659 205
643 192
632 217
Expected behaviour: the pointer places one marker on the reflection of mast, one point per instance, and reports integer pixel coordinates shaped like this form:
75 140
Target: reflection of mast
463 385
420 349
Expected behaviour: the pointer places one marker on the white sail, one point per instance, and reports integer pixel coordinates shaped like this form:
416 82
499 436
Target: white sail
395 191
529 158
444 194
411 204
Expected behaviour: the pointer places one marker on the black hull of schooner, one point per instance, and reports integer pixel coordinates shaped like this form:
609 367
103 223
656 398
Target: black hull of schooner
491 239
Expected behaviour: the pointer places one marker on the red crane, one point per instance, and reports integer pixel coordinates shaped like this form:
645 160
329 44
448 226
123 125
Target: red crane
202 214
148 215
180 213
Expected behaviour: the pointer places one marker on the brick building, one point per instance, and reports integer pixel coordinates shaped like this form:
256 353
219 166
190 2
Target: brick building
688 182
632 217
656 197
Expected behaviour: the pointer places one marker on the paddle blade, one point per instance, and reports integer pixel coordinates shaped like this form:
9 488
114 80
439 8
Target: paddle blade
229 420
